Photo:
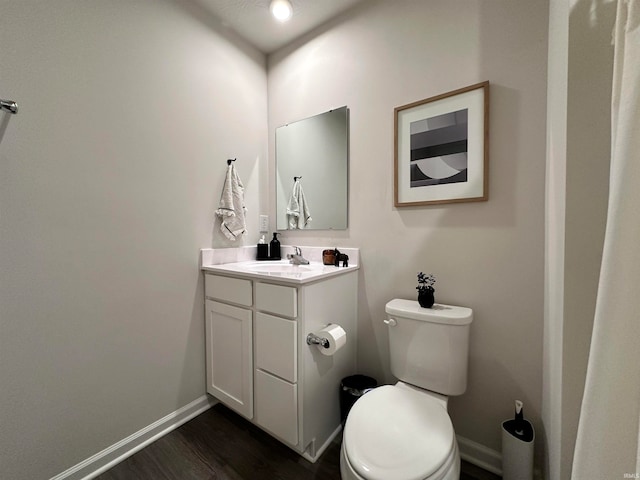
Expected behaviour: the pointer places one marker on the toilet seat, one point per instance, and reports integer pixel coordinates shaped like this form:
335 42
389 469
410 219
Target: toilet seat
449 471
393 432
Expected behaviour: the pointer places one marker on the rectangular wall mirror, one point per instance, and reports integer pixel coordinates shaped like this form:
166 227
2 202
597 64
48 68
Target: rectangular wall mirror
312 165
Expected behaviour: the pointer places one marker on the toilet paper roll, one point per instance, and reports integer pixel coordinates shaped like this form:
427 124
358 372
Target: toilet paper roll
337 338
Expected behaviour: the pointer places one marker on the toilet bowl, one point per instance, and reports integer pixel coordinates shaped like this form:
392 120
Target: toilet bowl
399 432
403 431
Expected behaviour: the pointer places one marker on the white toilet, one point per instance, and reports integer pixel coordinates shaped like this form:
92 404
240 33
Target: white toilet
403 431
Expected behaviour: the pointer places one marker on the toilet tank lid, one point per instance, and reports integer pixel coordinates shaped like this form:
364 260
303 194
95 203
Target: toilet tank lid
439 313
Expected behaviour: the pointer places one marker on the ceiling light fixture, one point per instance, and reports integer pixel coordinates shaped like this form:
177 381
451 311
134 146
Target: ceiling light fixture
281 9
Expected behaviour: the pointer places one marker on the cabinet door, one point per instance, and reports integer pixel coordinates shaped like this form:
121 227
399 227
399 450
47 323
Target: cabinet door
229 356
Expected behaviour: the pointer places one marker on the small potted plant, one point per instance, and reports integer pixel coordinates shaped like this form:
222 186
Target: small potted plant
425 289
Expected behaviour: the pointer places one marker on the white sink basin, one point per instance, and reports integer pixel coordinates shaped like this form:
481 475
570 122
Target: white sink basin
271 267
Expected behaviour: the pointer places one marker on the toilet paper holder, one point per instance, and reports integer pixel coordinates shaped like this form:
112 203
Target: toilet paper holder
313 339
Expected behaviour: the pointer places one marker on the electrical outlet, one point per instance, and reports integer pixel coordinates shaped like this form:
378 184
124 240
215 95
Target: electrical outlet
264 223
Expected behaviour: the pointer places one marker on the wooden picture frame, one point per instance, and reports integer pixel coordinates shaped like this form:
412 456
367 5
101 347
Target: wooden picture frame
442 148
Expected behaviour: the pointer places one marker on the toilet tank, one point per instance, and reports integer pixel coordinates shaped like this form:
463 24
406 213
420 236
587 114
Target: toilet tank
429 347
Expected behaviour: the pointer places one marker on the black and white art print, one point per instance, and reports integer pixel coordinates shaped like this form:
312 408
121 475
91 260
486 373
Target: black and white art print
439 149
442 148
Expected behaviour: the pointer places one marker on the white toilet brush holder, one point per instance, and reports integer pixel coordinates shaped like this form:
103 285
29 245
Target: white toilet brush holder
518 437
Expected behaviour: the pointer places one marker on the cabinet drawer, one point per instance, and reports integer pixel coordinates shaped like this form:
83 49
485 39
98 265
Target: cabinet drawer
227 289
276 406
277 299
276 346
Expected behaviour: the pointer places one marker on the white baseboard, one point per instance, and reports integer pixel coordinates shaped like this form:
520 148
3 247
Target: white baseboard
110 456
480 456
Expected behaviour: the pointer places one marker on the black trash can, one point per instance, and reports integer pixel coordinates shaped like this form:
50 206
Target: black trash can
351 389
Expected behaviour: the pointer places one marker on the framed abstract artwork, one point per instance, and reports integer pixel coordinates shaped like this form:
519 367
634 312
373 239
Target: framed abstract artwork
442 148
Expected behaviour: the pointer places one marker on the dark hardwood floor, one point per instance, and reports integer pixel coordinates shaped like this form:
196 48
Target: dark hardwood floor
221 445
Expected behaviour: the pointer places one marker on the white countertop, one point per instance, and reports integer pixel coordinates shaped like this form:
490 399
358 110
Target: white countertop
280 271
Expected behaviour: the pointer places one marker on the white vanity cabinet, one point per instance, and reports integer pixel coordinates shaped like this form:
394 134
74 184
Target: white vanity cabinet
258 361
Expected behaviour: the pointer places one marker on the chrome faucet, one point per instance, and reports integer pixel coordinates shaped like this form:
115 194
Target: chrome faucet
297 258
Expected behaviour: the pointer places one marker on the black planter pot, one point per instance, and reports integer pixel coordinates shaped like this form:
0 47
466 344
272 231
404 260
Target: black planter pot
426 298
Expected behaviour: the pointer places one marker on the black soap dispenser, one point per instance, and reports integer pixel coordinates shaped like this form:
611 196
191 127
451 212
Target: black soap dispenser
263 250
274 247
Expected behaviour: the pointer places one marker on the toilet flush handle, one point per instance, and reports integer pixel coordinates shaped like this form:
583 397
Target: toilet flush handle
391 322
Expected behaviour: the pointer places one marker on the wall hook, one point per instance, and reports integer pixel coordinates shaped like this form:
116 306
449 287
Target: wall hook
9 106
230 160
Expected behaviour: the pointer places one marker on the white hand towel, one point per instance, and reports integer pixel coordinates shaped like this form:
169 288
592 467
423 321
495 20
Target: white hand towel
231 209
298 215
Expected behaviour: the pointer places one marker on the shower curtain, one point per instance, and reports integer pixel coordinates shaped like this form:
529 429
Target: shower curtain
607 445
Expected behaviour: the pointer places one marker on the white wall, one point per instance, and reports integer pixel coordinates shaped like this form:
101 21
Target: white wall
109 176
577 185
587 189
555 236
488 256
111 171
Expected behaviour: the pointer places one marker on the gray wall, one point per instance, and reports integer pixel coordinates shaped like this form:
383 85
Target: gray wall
488 256
109 176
